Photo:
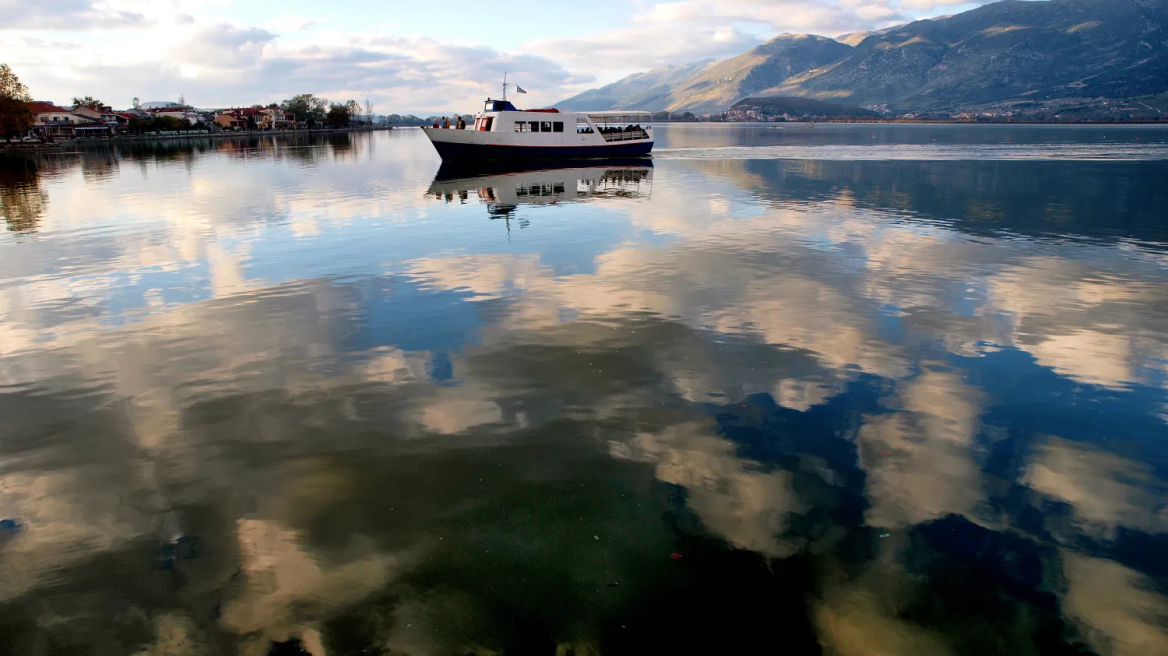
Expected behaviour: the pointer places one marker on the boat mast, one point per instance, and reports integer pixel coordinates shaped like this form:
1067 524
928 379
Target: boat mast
504 85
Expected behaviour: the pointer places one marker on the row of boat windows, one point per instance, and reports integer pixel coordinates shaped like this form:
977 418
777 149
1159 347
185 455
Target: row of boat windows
539 126
545 189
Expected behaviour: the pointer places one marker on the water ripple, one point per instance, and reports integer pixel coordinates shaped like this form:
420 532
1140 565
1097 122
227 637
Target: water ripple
935 152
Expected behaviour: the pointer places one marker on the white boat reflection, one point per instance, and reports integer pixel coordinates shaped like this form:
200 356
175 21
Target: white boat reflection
503 189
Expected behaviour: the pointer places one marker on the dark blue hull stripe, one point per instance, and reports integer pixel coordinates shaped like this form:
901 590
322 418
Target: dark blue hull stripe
449 150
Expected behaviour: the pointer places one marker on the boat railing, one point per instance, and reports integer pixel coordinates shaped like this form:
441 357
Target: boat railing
617 134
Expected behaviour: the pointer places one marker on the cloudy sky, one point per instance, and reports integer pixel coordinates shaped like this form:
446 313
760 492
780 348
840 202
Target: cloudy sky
401 56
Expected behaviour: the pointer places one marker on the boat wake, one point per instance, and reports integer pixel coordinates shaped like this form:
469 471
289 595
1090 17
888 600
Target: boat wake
930 152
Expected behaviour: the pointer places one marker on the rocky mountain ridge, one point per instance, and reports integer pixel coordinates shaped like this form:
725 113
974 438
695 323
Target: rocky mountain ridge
1012 50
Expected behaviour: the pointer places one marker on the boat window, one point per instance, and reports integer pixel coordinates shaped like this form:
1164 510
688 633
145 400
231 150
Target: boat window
521 126
558 126
547 126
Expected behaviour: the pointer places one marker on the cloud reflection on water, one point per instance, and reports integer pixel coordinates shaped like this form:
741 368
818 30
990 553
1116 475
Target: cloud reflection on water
360 399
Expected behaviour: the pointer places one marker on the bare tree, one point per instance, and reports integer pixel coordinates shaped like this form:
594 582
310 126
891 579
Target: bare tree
369 110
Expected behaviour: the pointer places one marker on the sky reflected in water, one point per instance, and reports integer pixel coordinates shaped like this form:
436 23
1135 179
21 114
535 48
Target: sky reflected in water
321 396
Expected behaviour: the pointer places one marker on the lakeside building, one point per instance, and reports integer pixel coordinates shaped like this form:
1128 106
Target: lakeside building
157 104
53 121
103 113
50 120
270 117
275 118
229 121
178 112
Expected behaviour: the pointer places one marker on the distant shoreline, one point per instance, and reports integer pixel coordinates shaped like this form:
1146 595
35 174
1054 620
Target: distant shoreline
21 147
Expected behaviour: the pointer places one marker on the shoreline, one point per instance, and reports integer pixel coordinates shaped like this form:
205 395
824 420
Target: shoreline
56 146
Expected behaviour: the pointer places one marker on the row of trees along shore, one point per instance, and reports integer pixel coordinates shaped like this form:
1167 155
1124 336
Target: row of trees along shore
311 109
15 116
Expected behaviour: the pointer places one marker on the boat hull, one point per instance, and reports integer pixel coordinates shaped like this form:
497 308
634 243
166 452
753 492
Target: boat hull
450 150
470 168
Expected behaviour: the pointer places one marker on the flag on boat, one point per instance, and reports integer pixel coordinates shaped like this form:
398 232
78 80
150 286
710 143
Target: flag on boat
519 89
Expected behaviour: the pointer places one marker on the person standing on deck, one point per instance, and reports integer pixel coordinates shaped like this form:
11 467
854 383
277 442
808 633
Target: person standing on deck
445 122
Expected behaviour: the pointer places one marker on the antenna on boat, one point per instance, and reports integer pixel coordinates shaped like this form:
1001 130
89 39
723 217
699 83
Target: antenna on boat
504 85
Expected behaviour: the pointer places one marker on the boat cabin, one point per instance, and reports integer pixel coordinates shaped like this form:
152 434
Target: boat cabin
502 116
502 131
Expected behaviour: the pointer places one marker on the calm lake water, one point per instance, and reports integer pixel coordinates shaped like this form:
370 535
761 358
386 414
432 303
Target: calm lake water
850 390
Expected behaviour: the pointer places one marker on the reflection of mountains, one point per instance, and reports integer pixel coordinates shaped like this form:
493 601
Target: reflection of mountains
503 187
1042 199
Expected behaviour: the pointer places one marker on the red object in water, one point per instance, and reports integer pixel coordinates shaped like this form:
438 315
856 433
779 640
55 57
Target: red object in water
675 556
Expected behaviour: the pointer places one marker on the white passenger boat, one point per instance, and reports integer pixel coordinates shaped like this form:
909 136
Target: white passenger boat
502 132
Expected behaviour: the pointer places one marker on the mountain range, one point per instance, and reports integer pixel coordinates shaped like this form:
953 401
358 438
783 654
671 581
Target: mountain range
1019 51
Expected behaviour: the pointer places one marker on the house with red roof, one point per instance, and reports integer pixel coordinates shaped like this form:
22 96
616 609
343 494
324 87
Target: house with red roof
229 121
236 118
274 117
97 113
264 117
49 120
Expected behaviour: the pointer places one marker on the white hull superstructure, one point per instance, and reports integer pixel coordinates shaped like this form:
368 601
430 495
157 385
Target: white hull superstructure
503 132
